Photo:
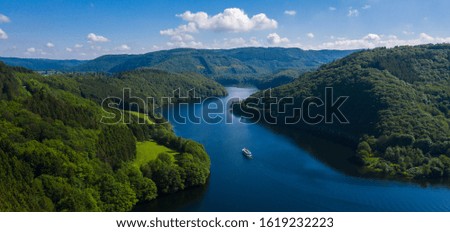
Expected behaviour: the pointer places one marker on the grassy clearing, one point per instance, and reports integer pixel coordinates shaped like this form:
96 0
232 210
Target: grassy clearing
149 150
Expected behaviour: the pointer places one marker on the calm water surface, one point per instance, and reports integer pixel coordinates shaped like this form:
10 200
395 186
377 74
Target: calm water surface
287 174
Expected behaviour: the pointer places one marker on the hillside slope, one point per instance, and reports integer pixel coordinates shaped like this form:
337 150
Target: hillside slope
228 66
142 83
398 107
217 64
56 155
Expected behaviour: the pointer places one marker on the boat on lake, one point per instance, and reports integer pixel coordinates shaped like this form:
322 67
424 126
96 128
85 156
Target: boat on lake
247 153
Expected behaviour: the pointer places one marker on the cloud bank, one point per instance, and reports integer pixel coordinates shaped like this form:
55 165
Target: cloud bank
374 40
123 47
290 12
230 20
275 39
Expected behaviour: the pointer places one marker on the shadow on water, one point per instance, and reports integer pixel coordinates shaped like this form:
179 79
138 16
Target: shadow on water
182 200
333 154
341 157
314 173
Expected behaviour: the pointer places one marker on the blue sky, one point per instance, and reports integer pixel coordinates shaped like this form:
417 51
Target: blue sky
62 29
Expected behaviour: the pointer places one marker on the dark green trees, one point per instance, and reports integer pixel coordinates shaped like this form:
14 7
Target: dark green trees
186 169
116 145
398 107
56 156
166 174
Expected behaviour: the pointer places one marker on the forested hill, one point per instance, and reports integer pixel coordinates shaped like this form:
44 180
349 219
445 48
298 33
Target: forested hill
244 62
142 83
224 65
55 155
398 107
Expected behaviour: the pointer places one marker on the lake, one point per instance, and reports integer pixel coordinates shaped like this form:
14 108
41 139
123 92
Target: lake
289 172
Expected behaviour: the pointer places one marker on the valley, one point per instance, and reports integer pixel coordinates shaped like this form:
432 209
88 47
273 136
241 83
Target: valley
74 135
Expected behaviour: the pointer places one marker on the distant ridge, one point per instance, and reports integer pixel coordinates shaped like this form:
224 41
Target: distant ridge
42 64
219 64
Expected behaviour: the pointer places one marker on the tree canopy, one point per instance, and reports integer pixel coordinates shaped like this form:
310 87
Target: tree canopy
398 107
55 155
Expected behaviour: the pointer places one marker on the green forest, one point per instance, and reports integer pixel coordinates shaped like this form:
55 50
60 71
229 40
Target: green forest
239 66
55 155
398 108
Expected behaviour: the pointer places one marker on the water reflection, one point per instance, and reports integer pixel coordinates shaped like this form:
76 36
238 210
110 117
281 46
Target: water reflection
291 171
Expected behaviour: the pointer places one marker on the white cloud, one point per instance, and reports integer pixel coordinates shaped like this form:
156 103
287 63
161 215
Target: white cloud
78 45
275 39
236 42
310 35
123 47
365 7
182 44
4 19
290 12
426 37
392 37
254 42
3 34
372 37
181 33
31 50
96 38
50 45
220 43
230 20
352 12
69 49
96 48
332 8
375 40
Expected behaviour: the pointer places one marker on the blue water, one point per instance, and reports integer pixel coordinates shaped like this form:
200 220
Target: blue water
285 174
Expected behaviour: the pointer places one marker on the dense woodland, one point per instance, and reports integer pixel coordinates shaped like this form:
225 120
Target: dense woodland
252 65
55 155
276 79
398 108
142 83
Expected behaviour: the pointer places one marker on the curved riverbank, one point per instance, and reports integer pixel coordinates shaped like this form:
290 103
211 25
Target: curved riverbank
286 174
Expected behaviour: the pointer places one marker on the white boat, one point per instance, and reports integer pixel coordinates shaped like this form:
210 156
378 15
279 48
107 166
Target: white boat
247 153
